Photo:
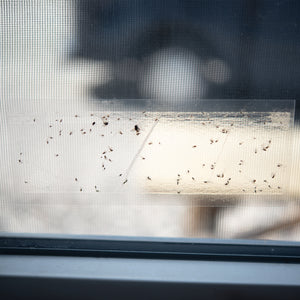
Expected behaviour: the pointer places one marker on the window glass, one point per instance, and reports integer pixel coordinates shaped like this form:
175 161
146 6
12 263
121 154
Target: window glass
112 123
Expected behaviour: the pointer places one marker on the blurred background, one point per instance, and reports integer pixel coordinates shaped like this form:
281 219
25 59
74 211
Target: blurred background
83 57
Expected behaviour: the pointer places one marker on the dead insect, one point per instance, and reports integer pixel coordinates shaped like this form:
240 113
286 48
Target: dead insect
105 123
137 128
56 155
93 123
121 132
70 133
254 180
178 192
84 132
125 181
50 126
111 149
216 141
156 120
205 181
265 180
47 142
194 146
120 175
211 141
104 152
279 165
20 161
273 175
224 130
80 189
60 132
149 178
279 187
60 120
150 143
76 179
188 171
193 178
110 160
95 186
81 129
143 158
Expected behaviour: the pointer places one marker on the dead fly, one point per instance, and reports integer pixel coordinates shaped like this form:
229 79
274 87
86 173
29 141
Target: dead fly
109 160
279 187
93 123
265 148
149 178
188 171
265 181
125 181
137 129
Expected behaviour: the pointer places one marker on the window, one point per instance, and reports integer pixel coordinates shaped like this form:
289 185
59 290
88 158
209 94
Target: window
110 123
